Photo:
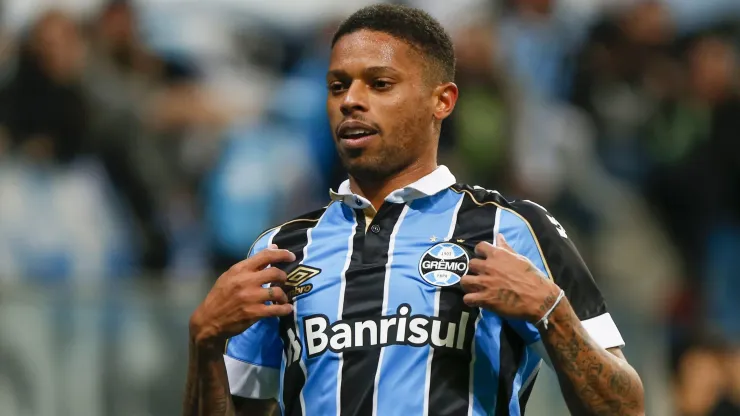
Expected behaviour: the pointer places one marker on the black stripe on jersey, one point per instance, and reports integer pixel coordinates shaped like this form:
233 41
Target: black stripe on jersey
511 352
363 298
449 387
293 236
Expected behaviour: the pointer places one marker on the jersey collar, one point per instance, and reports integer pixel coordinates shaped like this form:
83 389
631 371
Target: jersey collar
435 182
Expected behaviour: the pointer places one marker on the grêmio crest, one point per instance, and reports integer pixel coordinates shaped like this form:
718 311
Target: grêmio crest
444 264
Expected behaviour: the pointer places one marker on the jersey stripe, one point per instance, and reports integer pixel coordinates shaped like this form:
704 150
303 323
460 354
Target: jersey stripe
363 298
487 363
511 355
511 226
405 365
294 237
449 392
475 407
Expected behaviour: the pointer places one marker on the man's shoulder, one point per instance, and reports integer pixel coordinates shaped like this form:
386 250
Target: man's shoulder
298 223
528 212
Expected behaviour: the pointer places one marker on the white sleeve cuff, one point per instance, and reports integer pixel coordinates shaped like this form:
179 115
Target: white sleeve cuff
252 381
604 331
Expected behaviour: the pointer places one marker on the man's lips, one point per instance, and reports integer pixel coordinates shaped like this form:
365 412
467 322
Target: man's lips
355 130
357 142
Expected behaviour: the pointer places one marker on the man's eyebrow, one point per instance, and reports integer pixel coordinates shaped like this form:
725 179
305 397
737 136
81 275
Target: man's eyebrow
336 73
378 69
373 70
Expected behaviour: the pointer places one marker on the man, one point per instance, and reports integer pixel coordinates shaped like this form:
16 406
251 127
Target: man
408 294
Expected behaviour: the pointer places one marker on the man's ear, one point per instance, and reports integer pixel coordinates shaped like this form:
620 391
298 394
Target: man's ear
445 96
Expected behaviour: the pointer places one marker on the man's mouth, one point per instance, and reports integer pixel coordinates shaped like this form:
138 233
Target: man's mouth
355 130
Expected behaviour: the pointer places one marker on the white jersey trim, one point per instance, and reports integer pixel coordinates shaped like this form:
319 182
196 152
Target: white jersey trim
252 381
604 331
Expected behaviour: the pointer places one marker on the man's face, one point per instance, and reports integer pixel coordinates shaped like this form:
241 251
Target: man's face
381 108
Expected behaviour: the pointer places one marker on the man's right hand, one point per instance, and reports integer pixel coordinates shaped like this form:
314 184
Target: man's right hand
238 298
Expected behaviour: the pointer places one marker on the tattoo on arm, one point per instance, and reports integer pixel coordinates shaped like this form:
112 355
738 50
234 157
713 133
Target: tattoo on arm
207 387
547 304
594 382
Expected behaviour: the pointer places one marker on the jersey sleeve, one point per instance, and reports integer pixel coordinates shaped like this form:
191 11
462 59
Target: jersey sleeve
532 232
253 358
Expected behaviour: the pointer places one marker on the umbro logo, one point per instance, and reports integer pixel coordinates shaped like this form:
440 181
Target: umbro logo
295 284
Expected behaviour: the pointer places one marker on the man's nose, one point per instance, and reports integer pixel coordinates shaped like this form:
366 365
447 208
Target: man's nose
355 99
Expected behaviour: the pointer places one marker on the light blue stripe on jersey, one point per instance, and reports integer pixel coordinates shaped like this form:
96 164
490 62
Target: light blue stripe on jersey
520 238
336 225
529 363
256 344
425 218
282 380
487 363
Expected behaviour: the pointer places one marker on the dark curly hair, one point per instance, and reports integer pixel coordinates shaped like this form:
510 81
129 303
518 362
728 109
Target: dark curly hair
411 25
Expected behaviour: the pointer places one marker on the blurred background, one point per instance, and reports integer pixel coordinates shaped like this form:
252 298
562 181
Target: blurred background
145 144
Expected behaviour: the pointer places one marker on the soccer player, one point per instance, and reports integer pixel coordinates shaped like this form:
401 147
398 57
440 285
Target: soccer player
408 294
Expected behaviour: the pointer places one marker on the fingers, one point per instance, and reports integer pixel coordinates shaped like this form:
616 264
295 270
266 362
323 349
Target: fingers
484 249
271 275
501 243
273 294
478 266
276 310
267 257
471 283
473 299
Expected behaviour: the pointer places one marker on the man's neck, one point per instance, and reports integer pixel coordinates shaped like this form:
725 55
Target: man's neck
376 192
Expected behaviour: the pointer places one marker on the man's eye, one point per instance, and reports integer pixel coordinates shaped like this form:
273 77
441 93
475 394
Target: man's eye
381 84
336 86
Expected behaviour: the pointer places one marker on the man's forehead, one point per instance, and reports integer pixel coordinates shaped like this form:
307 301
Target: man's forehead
371 49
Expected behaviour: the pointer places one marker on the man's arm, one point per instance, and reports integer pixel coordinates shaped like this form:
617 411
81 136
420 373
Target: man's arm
239 301
207 388
594 381
206 371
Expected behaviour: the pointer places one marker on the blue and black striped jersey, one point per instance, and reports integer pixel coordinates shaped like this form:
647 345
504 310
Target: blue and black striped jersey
379 324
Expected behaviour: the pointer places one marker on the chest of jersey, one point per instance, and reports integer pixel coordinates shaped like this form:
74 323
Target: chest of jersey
393 281
378 305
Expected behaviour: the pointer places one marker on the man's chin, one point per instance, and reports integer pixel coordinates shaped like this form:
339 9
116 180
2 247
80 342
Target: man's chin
364 170
367 169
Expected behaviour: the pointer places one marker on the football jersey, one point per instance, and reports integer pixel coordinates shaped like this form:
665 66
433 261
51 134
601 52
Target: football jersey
379 324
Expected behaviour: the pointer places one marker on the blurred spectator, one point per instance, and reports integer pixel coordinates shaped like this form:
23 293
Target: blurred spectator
43 105
610 83
536 37
118 82
56 215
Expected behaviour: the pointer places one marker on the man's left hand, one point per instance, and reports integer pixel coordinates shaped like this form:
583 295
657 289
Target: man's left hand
507 283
